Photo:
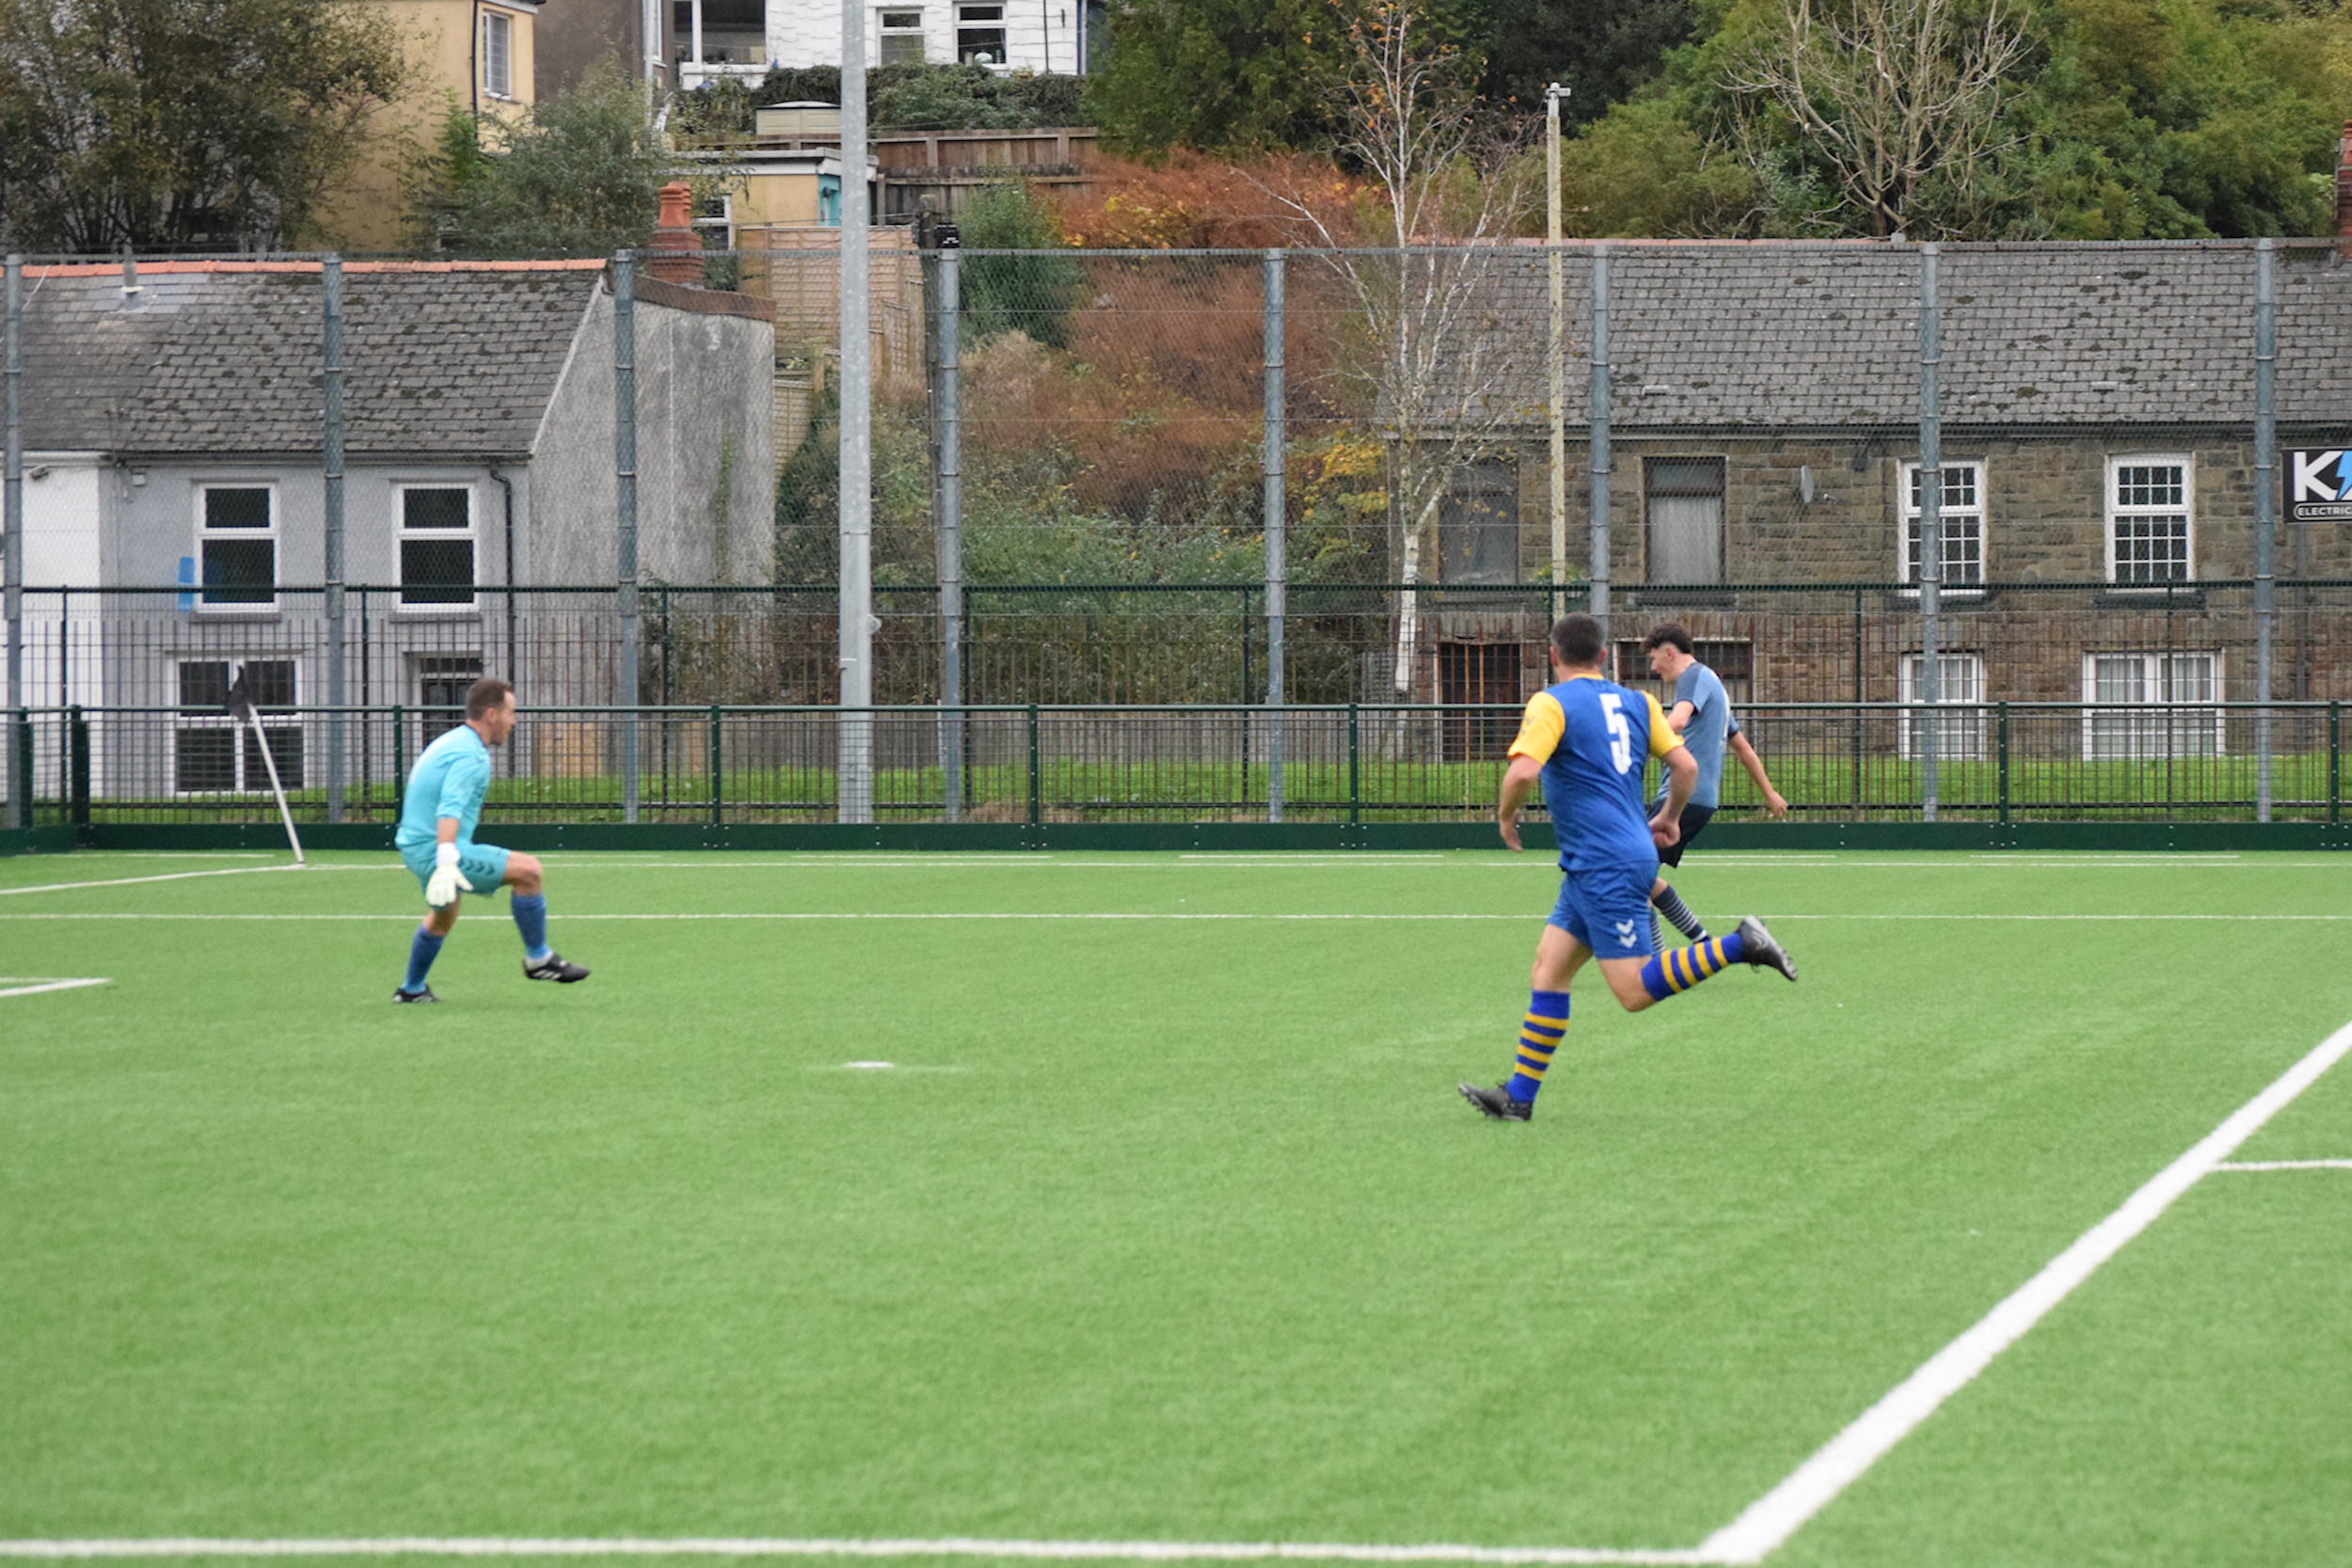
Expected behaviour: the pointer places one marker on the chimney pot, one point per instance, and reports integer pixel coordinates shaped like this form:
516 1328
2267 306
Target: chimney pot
676 251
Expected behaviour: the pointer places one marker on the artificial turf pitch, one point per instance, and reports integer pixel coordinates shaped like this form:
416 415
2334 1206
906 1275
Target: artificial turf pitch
1164 1226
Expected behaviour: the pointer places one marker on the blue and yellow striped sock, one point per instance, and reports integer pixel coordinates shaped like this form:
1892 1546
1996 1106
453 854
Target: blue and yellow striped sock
1539 1037
1678 969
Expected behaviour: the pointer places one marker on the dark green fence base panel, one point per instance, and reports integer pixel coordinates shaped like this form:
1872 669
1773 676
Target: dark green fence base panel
36 841
538 838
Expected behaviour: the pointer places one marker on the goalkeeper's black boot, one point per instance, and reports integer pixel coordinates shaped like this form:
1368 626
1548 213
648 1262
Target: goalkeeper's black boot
1497 1104
554 967
424 995
1758 948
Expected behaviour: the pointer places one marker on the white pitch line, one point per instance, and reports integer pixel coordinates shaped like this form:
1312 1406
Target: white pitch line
1157 1551
1773 1519
1187 916
54 985
171 876
2288 1164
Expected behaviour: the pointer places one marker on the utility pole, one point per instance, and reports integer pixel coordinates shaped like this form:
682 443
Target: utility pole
1552 95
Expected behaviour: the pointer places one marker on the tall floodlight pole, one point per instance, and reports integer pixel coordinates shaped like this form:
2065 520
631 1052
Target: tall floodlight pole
2266 500
1931 520
1597 438
1552 95
331 459
1277 532
951 526
625 511
856 776
12 546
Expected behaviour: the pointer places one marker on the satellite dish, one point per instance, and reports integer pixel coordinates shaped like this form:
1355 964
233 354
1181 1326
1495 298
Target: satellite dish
1804 484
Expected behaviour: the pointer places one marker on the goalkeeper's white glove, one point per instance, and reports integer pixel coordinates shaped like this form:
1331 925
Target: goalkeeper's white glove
442 887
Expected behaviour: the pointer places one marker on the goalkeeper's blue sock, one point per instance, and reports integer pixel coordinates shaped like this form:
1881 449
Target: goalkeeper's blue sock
530 919
1678 969
421 952
1540 1031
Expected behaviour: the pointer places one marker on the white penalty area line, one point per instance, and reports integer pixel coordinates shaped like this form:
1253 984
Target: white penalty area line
2286 1164
1759 1530
1773 1519
31 985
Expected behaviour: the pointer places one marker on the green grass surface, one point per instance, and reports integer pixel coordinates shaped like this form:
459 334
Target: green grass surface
1164 1228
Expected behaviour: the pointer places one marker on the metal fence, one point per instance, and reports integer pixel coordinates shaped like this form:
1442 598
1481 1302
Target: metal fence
1858 473
1353 763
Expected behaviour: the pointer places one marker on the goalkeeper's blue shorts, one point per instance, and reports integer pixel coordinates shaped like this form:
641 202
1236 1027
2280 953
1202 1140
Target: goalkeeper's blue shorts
1607 909
483 865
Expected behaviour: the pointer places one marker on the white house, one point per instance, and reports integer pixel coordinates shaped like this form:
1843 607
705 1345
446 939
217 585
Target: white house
744 38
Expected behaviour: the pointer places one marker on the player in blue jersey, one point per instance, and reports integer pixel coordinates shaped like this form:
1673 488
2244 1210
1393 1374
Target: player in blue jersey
437 816
1585 739
1701 714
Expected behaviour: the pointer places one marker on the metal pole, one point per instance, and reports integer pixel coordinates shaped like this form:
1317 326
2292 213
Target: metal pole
331 447
951 528
2265 501
856 786
1598 439
1931 520
625 509
1277 535
12 538
1552 95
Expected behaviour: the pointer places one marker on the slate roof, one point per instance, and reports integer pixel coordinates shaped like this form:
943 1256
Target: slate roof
225 358
1792 336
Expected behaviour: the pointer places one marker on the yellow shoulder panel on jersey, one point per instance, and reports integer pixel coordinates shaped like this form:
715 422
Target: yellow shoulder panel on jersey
1541 729
1661 735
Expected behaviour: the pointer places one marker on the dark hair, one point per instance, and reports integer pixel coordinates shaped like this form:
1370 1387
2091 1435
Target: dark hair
1668 633
486 694
1577 639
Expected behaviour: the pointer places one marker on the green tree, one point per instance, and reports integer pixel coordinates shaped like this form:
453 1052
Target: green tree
1220 75
579 172
1033 295
173 124
1600 50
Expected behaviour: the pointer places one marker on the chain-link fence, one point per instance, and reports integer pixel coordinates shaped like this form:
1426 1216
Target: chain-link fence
1858 474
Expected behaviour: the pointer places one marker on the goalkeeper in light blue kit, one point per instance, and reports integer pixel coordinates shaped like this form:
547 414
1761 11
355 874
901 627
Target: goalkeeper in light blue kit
438 818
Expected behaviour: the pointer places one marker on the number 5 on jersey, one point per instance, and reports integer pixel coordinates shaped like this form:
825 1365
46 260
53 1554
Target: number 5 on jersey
1620 732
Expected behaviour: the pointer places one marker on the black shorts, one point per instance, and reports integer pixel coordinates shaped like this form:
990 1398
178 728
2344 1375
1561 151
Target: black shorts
1695 820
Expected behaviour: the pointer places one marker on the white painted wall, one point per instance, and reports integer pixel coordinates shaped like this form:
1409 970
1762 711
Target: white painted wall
1040 35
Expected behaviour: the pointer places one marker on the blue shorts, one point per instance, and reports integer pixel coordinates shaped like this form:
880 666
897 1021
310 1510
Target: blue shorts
1607 909
483 865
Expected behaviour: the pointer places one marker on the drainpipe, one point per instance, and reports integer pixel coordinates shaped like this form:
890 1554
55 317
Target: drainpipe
507 487
473 67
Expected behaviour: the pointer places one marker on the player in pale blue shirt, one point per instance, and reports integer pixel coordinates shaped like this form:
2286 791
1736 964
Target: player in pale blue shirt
437 817
1701 715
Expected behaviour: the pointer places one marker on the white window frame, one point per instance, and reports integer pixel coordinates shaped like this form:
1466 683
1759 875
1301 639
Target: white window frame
1973 589
1001 23
1960 737
498 53
472 534
203 488
2174 723
2116 513
884 31
184 723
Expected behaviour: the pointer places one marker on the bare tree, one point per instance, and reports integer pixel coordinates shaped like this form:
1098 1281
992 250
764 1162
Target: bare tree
1889 92
1441 364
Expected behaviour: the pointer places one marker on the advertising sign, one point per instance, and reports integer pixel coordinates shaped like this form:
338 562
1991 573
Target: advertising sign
2319 486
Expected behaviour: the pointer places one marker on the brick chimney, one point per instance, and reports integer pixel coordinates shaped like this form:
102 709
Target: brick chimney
2344 194
677 254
